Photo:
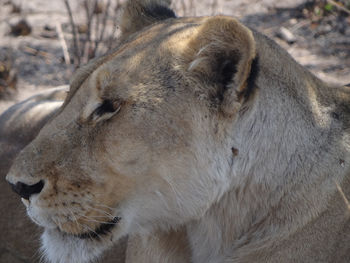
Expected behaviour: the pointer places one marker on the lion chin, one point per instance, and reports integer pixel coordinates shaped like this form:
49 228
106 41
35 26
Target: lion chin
58 247
61 247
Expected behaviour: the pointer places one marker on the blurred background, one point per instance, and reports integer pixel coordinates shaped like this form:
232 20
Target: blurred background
42 43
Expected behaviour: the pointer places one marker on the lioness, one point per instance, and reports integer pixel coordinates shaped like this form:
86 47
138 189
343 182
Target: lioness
202 140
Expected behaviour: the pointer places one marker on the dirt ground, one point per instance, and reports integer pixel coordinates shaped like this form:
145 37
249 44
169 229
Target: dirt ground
319 40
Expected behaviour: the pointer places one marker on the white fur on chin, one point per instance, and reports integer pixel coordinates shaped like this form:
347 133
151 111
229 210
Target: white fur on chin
63 248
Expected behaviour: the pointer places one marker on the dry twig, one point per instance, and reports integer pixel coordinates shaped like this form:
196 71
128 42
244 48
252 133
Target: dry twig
104 21
77 53
63 43
88 42
38 52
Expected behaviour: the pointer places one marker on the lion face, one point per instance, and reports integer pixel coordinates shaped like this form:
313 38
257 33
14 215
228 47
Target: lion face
137 144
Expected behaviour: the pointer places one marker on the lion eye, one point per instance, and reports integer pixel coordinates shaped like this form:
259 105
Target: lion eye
105 110
106 107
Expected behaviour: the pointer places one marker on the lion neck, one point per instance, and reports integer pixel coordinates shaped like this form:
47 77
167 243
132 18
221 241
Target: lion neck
291 158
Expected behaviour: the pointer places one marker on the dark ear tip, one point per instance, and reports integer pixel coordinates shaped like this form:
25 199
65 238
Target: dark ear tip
139 14
159 12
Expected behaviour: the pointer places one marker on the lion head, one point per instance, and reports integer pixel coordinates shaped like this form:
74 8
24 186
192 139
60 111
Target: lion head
145 138
125 153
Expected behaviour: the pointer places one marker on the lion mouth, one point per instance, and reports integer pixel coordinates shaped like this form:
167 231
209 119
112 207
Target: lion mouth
102 230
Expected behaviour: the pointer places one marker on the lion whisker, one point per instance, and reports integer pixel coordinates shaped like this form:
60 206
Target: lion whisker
101 205
75 219
39 255
91 230
57 222
99 217
101 211
86 218
98 204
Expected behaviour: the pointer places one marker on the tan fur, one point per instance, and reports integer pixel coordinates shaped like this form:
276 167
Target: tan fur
170 247
18 126
200 133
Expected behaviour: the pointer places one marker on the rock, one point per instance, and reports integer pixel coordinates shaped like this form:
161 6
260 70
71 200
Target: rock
286 35
293 21
22 28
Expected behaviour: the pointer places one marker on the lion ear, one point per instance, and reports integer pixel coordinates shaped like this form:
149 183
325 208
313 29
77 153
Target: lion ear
221 52
138 14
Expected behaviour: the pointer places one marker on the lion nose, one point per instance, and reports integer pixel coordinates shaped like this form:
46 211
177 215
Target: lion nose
25 190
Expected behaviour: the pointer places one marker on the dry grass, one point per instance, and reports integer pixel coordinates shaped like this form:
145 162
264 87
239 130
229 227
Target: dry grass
8 74
97 34
99 31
